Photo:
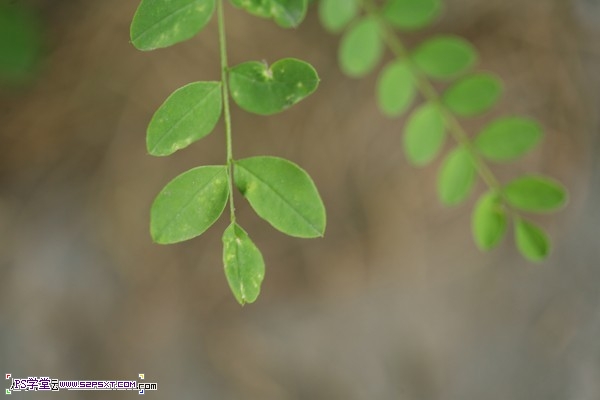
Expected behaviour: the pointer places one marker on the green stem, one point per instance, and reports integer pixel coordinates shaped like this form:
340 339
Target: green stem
226 113
431 95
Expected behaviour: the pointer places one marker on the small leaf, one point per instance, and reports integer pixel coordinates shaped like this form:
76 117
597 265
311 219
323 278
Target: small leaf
532 242
162 23
336 14
189 204
262 90
488 221
508 138
473 95
283 194
260 8
288 13
444 57
188 115
456 178
361 48
395 89
535 193
244 264
424 134
411 14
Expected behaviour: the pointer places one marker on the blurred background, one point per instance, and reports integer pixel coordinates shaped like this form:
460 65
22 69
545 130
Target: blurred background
395 302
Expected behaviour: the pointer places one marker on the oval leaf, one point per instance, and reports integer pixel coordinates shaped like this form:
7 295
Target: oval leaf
535 193
361 48
473 95
411 14
244 264
488 221
288 13
336 14
395 89
424 134
508 138
456 178
162 23
532 242
189 204
189 114
283 194
444 57
262 90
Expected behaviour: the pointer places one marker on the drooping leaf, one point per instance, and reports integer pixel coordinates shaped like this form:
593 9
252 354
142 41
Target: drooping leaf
361 48
488 222
189 114
532 242
411 14
424 134
162 23
535 194
189 204
264 90
473 95
456 177
244 264
288 13
283 194
508 138
444 57
395 89
336 14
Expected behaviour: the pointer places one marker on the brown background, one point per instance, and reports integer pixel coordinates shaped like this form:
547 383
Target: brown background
395 302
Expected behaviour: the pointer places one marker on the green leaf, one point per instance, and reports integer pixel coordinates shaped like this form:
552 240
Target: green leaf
411 14
395 89
162 23
262 90
473 95
336 14
445 57
532 242
456 178
488 221
535 193
20 43
361 48
189 114
189 204
260 8
424 134
283 194
244 264
288 13
508 138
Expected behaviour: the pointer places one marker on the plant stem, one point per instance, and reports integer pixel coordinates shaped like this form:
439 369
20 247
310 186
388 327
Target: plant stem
430 94
226 113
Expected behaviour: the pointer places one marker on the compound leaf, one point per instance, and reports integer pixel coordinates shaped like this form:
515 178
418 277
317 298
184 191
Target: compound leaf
283 194
535 193
508 138
473 95
488 221
189 204
361 48
162 23
189 114
395 89
411 14
244 264
264 90
532 241
444 57
424 134
456 177
336 14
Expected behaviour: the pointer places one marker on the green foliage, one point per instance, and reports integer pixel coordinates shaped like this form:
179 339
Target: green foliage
264 90
279 191
467 93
